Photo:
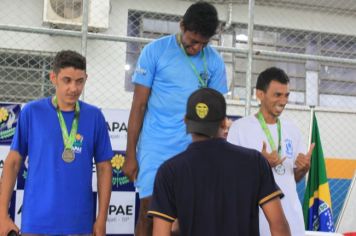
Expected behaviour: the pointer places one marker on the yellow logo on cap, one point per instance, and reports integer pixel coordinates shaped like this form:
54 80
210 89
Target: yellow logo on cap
202 110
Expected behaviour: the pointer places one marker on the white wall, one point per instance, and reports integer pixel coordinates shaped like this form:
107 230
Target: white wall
106 59
296 19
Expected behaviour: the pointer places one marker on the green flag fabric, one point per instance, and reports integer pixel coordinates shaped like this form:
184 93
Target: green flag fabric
317 201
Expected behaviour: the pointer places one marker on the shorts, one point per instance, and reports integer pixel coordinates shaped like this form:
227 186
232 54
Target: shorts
149 161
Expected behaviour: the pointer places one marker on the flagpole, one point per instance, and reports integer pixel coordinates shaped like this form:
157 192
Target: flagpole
311 125
310 137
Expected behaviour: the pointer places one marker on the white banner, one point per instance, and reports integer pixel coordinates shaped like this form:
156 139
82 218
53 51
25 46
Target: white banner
18 207
4 150
117 121
121 215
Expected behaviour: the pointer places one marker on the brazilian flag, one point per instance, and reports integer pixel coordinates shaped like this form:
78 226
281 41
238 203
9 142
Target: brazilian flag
317 200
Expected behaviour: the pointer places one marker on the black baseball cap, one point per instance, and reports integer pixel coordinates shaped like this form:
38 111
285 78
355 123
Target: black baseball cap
206 108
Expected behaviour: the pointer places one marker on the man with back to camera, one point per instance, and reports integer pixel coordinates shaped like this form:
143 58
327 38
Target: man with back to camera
168 71
60 135
280 142
212 187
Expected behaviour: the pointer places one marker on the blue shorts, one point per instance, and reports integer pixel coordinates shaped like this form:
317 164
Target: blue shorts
149 161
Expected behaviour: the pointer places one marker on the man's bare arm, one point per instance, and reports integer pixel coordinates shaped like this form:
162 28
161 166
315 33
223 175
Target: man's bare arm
161 227
7 182
104 176
137 113
276 219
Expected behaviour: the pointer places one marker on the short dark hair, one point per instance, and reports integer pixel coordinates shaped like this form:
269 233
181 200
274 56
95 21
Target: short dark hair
201 18
270 74
68 58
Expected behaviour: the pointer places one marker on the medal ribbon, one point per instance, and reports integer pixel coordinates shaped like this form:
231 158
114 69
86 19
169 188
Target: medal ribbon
269 135
202 82
68 140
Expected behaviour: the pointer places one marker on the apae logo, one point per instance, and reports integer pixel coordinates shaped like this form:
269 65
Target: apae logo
121 213
118 177
8 121
116 126
121 210
78 143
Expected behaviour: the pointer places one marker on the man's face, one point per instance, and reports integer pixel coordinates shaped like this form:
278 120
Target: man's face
193 42
274 99
69 83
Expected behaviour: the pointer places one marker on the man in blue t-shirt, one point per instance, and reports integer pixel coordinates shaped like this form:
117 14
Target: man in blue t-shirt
60 136
168 70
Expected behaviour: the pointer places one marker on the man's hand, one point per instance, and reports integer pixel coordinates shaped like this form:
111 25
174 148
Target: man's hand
302 163
272 158
99 228
130 167
6 225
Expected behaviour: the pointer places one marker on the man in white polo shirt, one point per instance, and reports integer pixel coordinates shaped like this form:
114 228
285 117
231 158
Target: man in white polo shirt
279 141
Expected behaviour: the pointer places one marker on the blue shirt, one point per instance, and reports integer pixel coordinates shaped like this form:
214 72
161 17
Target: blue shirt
164 68
58 197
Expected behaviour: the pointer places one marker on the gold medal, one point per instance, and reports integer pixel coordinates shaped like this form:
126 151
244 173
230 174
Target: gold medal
68 155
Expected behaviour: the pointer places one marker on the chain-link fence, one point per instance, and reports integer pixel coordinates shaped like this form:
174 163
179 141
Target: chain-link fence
313 41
